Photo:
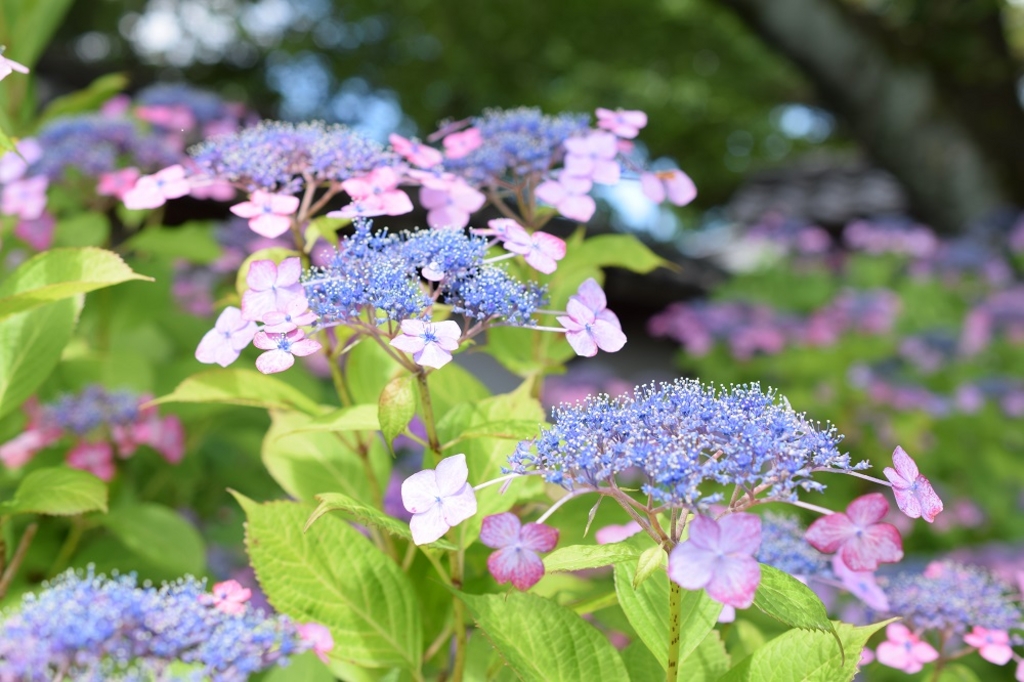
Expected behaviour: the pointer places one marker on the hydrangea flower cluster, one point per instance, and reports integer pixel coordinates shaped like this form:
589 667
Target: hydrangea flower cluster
784 547
99 421
84 626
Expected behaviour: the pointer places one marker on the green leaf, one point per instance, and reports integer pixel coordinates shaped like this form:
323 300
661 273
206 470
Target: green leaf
650 561
707 662
368 369
87 228
544 642
306 462
615 250
193 241
30 347
805 656
508 429
788 600
453 385
355 418
57 491
61 273
160 536
958 672
87 99
239 387
6 143
366 515
641 663
646 608
397 406
325 227
335 576
33 28
579 557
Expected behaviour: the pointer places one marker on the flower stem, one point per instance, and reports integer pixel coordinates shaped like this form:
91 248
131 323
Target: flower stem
19 556
675 619
428 416
459 616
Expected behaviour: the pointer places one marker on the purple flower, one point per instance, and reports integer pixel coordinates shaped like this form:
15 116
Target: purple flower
271 286
624 123
914 494
593 157
857 536
718 557
296 314
228 338
516 560
861 584
452 206
25 198
589 324
430 344
438 499
675 185
269 214
282 349
540 250
569 196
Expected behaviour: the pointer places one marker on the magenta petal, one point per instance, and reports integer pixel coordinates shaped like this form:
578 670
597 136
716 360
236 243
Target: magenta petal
828 533
735 581
905 465
500 530
881 543
868 509
274 361
519 566
539 537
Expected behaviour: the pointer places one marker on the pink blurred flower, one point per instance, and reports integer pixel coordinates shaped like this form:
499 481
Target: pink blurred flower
675 185
14 165
117 183
228 596
861 584
25 198
202 187
318 637
7 66
992 645
151 191
96 458
621 122
37 233
857 536
462 143
228 338
282 349
718 556
593 157
452 206
569 196
165 435
438 499
516 560
914 494
430 343
374 194
904 650
414 152
172 117
269 214
540 250
271 286
616 533
38 434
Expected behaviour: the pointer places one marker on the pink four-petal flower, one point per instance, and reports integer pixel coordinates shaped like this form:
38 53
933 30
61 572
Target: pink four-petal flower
228 596
438 499
516 560
540 250
269 214
857 536
593 157
718 556
675 185
228 338
430 343
621 122
914 494
568 194
96 458
296 314
271 286
151 191
904 650
25 198
282 349
992 645
374 194
451 206
318 637
415 152
457 145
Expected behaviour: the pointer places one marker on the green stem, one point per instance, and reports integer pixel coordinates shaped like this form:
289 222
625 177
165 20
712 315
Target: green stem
675 618
67 549
459 616
428 416
19 556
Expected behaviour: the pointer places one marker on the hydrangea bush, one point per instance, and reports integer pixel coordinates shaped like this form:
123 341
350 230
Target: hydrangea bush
401 521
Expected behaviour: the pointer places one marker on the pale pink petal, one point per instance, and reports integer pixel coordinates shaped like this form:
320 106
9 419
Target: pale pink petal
592 295
680 188
881 543
448 331
652 187
500 530
740 533
434 198
861 584
413 327
690 566
580 208
262 275
274 361
283 204
582 343
246 209
428 526
551 192
433 356
144 195
305 347
452 474
616 533
410 344
420 491
270 225
606 172
396 202
522 568
735 581
459 506
319 637
608 337
289 272
447 216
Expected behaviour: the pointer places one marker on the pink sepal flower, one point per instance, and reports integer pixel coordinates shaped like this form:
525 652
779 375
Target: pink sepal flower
914 494
451 207
118 182
38 434
96 458
13 166
318 637
228 338
431 344
434 178
374 194
904 650
499 228
621 122
462 143
593 157
516 560
165 435
7 66
37 233
857 536
718 556
616 533
672 184
415 152
25 198
151 191
172 117
203 187
271 286
861 584
228 596
992 645
569 196
586 333
438 499
282 349
269 214
296 314
540 250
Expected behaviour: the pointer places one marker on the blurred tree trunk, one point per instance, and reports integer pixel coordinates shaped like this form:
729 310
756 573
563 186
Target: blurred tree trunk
931 96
